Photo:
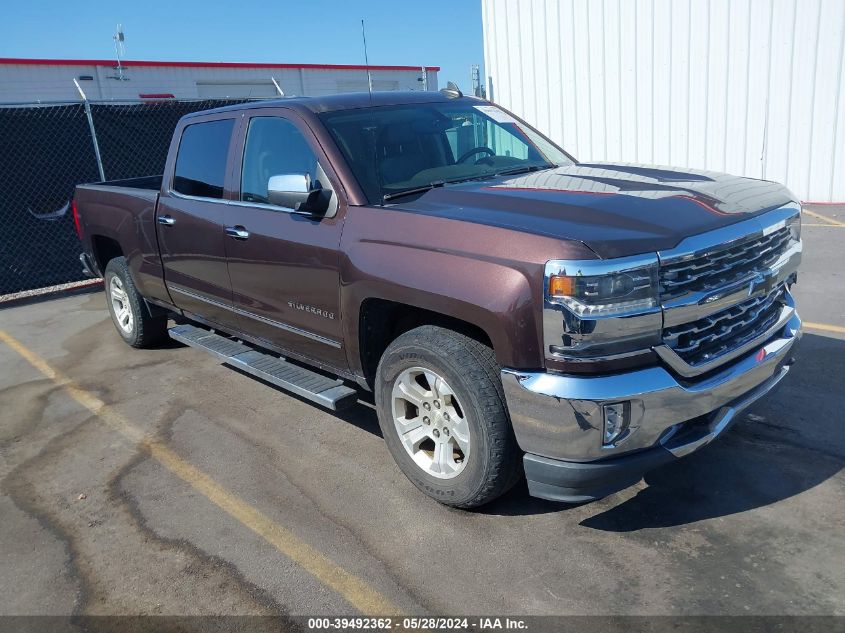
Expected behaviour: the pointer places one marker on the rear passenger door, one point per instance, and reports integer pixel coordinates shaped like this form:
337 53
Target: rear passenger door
284 264
190 219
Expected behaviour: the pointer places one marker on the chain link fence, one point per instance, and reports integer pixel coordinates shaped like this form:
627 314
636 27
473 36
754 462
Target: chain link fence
48 149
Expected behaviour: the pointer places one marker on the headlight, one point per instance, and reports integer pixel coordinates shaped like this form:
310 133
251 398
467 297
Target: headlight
794 225
604 288
601 308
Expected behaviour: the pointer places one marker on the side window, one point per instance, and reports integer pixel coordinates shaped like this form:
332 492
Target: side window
201 161
274 147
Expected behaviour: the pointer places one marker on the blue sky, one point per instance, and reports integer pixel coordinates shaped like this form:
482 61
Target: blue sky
433 32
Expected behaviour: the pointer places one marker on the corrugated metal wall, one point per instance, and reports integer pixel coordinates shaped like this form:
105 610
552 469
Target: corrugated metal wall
752 87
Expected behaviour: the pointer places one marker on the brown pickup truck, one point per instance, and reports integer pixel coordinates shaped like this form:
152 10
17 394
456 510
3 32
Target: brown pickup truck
513 311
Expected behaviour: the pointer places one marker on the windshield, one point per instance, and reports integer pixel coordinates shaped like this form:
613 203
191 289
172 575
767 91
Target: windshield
394 149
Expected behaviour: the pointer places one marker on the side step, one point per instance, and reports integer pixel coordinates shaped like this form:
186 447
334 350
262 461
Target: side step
329 392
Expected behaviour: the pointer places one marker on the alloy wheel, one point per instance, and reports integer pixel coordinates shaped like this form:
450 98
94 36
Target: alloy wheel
431 422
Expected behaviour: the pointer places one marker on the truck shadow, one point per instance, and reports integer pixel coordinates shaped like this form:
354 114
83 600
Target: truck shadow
788 443
361 415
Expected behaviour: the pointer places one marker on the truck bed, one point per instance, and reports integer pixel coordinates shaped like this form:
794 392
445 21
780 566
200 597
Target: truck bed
120 215
129 193
152 183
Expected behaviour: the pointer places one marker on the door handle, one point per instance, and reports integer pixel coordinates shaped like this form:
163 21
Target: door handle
238 232
166 220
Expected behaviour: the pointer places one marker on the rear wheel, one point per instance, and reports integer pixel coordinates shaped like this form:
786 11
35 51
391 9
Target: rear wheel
442 412
129 314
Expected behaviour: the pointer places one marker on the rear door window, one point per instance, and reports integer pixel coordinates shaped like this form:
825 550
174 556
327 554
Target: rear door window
201 160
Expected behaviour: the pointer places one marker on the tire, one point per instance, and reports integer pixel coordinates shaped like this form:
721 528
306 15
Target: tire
128 313
478 423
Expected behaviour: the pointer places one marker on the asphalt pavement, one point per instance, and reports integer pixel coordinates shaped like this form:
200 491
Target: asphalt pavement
162 482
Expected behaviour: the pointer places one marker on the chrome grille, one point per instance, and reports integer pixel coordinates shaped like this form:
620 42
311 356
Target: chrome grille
722 265
708 338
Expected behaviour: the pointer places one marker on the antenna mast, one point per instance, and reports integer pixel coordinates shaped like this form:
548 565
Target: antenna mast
119 50
367 61
475 81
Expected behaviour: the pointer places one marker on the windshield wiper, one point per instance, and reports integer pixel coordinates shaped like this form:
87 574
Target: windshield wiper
439 183
408 192
506 172
523 170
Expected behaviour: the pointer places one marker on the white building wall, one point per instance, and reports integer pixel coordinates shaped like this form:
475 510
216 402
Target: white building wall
32 83
752 87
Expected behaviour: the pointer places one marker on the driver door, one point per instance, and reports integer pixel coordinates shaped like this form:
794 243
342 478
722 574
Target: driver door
284 263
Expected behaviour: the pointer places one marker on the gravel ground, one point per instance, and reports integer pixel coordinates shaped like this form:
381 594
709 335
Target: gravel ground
15 297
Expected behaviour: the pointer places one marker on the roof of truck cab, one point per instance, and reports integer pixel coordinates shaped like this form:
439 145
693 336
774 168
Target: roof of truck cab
329 103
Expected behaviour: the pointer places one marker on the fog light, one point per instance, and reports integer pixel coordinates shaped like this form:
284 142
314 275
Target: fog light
616 419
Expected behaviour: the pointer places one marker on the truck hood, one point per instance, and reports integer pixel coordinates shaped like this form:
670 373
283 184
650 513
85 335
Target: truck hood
615 209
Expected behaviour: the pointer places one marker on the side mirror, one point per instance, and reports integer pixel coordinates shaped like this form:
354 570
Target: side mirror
293 191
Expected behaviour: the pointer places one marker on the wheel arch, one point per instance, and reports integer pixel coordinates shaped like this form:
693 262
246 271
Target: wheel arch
498 311
381 321
104 249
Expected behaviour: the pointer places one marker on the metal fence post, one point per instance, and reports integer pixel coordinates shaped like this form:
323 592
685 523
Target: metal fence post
93 131
278 87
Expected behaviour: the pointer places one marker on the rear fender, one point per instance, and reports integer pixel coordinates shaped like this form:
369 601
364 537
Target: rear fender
130 221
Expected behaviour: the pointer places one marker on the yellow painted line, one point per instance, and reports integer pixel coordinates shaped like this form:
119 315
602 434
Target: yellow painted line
819 216
827 226
825 327
353 589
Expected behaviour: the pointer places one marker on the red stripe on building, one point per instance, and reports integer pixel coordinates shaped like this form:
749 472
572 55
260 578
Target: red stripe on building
156 64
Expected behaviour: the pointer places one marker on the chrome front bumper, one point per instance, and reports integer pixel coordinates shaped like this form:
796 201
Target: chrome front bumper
559 417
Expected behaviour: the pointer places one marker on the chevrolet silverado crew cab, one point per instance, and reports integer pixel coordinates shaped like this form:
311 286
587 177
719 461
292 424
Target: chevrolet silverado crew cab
514 312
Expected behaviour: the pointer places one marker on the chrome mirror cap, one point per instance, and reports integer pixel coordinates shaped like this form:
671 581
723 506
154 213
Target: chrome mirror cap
289 183
291 191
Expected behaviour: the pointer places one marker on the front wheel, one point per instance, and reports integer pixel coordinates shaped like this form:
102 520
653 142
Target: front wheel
442 413
129 314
